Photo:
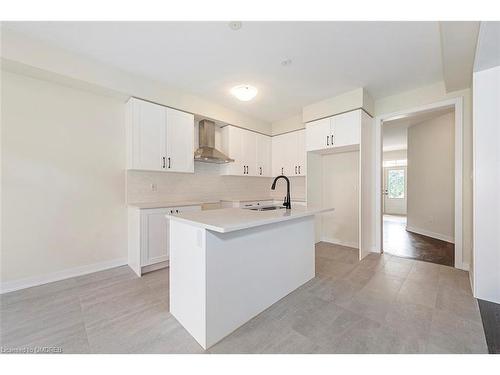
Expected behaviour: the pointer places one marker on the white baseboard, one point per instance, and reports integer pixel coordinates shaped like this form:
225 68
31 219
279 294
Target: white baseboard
428 233
464 266
336 241
14 285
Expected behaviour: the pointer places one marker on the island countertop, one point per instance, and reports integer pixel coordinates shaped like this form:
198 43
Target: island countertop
232 219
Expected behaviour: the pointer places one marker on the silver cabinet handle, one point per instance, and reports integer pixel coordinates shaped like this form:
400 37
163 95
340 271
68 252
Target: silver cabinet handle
332 139
281 170
163 165
299 169
260 169
295 169
169 163
328 140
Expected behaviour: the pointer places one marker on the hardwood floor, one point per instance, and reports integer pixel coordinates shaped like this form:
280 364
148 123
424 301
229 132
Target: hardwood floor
490 315
398 241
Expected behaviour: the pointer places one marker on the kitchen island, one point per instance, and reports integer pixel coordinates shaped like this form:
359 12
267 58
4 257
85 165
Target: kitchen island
228 265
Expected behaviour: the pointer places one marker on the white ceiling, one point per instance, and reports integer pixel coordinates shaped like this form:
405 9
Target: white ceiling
395 132
208 58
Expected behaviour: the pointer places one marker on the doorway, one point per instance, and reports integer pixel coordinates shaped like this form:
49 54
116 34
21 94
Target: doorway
418 185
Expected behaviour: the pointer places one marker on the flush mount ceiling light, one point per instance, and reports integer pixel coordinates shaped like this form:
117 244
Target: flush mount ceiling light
244 92
286 62
235 25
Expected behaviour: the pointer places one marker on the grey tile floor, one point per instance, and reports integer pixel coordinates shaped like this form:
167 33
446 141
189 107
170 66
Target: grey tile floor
383 304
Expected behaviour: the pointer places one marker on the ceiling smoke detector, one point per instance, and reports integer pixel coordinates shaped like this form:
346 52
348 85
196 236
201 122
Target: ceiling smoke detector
244 92
235 25
286 62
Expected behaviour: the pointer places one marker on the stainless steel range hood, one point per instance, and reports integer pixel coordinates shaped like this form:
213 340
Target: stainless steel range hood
207 152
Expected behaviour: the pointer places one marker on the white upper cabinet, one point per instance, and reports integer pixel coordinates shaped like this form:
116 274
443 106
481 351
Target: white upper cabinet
159 138
180 141
277 155
289 154
336 131
145 135
264 156
251 152
318 134
232 146
346 129
301 152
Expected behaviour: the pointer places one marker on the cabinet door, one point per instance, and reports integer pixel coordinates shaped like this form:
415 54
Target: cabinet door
290 154
278 157
263 156
318 134
154 238
347 129
301 152
148 135
180 141
232 138
249 152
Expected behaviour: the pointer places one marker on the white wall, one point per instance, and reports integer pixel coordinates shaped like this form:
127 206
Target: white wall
394 155
487 184
287 125
340 190
351 100
63 180
431 177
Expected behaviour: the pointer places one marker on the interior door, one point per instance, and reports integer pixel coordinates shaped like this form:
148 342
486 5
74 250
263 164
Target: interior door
149 128
180 141
394 202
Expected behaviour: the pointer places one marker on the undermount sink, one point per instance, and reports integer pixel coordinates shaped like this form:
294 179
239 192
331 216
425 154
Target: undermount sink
266 208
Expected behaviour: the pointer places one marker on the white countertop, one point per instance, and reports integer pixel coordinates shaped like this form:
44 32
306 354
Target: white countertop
238 200
231 219
163 204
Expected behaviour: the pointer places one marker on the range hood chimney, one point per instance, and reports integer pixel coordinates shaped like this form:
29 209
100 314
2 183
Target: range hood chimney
207 152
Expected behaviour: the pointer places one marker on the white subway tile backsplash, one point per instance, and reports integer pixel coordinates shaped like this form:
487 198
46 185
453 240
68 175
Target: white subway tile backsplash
205 183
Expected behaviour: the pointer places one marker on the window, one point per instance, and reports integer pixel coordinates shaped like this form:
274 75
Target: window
396 183
395 163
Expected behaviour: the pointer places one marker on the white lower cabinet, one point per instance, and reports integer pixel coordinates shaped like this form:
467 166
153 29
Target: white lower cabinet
149 236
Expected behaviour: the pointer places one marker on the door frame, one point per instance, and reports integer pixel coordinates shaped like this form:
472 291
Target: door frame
457 104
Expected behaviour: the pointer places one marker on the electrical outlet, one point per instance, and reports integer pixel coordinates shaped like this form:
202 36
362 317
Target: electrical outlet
154 187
